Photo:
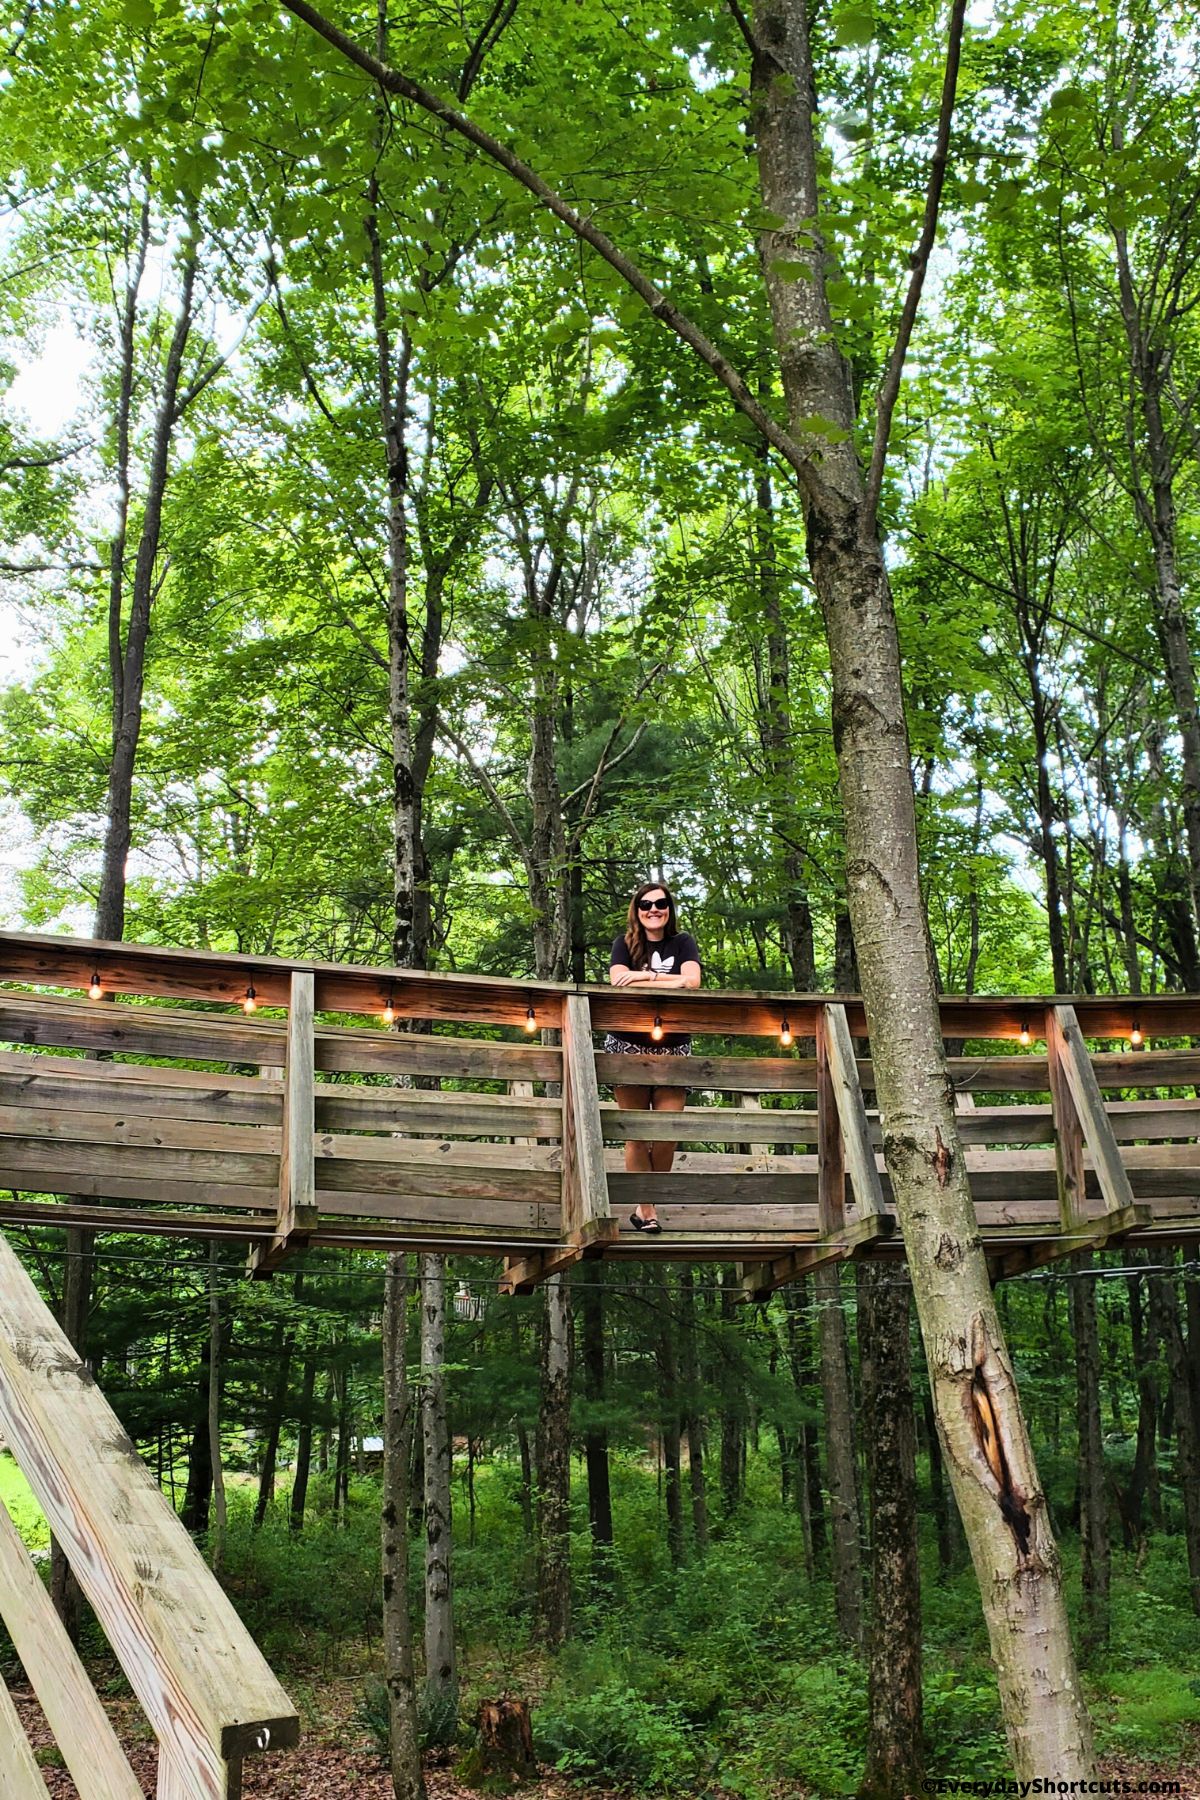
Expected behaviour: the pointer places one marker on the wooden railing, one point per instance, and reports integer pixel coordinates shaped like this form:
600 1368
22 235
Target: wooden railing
318 1125
204 1688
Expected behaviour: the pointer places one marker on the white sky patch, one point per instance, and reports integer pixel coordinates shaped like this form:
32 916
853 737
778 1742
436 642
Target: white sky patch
46 389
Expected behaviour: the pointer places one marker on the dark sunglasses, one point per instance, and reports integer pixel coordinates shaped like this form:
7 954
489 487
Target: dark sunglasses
654 906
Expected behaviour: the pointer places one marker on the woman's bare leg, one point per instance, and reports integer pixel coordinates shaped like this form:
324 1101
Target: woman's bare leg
666 1099
637 1154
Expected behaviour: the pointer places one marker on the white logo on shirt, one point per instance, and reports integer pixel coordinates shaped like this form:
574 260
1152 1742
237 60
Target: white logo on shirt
663 965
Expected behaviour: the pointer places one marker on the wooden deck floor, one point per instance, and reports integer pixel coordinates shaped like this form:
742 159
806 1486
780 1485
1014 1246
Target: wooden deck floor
200 1095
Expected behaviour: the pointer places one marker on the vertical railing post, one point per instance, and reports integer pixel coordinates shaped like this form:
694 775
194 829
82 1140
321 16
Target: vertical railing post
831 1160
1068 1129
297 1212
586 1211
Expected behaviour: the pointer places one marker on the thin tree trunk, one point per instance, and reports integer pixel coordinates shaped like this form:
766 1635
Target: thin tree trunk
692 1419
841 1462
1093 1496
441 1667
595 1434
221 1521
304 1441
1164 1301
554 1468
268 1470
408 1780
895 1748
733 1416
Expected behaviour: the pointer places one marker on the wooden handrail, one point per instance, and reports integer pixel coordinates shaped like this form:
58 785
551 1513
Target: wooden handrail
203 975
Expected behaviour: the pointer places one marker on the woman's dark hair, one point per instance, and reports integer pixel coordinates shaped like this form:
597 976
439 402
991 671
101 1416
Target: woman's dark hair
636 941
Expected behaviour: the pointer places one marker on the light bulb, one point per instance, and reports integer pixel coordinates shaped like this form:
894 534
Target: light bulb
389 1011
785 1035
530 1021
656 1030
94 989
250 999
1135 1036
1025 1032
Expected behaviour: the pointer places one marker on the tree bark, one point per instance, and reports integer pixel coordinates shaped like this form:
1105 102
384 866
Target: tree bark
276 1403
841 1461
441 1666
595 1434
304 1439
984 1435
408 1780
1093 1495
1164 1302
554 1468
215 1340
895 1748
693 1421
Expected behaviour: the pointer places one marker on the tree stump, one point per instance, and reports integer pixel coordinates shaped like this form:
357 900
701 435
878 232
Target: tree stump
502 1756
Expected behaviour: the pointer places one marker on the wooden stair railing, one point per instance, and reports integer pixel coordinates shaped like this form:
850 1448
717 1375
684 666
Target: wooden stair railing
203 1685
298 1216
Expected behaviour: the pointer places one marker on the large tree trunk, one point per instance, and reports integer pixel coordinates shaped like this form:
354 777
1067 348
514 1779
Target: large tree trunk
983 1430
841 1463
554 1468
408 1779
441 1669
895 1760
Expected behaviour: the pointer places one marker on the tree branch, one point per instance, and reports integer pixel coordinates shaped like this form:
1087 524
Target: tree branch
889 392
664 309
489 787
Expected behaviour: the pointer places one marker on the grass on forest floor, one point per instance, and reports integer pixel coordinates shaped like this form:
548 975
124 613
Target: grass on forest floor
722 1678
26 1514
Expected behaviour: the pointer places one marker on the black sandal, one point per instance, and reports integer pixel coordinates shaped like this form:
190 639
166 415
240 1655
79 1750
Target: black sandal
640 1224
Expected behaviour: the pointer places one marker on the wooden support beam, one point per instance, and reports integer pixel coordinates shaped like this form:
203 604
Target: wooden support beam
65 1694
856 1134
201 1680
1068 1128
855 1241
831 1157
586 1208
1092 1234
522 1274
1075 1065
297 1216
20 1777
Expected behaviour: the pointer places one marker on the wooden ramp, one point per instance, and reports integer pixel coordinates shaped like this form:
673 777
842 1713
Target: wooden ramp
187 1093
206 1692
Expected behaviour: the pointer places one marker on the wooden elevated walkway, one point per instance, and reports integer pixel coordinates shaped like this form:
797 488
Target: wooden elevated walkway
284 1104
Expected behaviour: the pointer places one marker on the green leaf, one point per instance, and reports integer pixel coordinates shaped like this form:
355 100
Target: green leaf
854 26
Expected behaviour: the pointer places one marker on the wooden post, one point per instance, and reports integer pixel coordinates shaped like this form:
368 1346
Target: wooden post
1068 1131
847 1093
65 1694
831 1160
201 1680
586 1211
20 1777
1075 1065
297 1214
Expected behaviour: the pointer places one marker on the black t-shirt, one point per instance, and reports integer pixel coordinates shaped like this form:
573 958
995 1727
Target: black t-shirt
669 957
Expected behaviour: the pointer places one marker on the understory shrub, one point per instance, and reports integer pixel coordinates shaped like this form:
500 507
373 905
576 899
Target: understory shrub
617 1735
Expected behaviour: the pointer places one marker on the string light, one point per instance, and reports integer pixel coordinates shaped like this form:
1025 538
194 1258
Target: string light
249 999
389 1010
1135 1036
1025 1032
95 991
656 1030
531 1024
785 1034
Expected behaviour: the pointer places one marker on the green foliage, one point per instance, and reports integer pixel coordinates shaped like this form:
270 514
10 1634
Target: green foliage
616 1735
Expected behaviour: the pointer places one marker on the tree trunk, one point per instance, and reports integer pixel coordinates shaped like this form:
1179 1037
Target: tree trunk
841 1463
304 1440
441 1668
268 1469
693 1421
733 1416
1093 1494
895 1759
1164 1301
408 1781
221 1520
988 1451
595 1434
554 1468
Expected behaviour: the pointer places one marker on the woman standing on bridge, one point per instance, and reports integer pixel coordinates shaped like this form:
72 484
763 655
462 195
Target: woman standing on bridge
652 952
